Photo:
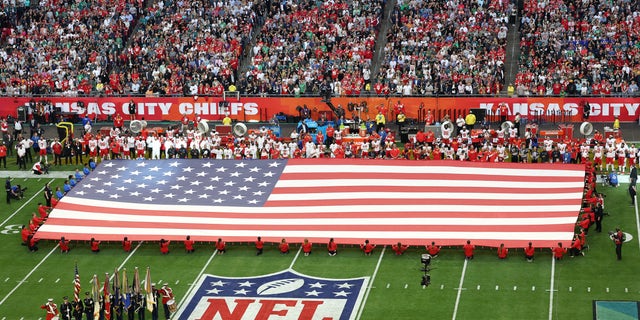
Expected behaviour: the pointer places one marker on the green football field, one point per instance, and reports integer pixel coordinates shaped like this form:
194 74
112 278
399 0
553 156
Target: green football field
483 288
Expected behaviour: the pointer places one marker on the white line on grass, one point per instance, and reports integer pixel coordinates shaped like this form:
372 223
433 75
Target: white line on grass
553 274
295 258
455 307
373 277
28 275
188 294
22 206
635 202
127 259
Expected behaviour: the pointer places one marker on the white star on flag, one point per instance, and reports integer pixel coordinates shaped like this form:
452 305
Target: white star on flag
240 165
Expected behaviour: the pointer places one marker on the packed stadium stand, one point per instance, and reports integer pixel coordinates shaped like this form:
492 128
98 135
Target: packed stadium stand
302 47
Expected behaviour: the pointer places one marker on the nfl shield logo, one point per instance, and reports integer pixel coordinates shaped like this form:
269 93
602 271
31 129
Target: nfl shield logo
284 295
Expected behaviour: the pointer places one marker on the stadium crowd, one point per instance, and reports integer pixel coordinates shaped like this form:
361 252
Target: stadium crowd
579 47
445 47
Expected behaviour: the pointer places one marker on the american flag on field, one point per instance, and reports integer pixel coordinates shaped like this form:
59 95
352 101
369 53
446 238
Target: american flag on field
385 201
76 286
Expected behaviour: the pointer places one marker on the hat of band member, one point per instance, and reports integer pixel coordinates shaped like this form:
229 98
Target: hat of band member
65 298
165 284
153 284
50 299
87 293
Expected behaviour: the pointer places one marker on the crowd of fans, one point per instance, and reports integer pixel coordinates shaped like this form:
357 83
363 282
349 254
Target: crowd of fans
189 47
65 47
315 47
579 47
446 47
304 42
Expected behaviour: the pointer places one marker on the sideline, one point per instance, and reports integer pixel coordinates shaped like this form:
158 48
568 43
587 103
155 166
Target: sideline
23 205
194 282
373 278
29 274
551 288
464 270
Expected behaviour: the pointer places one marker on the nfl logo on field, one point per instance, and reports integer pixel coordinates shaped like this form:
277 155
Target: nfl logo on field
284 295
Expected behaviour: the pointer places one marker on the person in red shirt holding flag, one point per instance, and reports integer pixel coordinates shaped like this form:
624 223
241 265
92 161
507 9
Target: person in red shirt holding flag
64 245
502 252
188 245
95 245
259 246
284 247
306 247
529 251
367 247
332 247
399 248
468 250
221 246
126 244
164 246
43 210
51 308
25 233
432 249
559 251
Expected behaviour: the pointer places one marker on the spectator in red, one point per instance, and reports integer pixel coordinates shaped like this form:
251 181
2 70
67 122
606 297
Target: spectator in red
529 251
468 250
332 247
432 249
399 248
259 246
559 251
221 247
188 245
367 247
502 252
283 246
306 247
126 244
64 245
164 246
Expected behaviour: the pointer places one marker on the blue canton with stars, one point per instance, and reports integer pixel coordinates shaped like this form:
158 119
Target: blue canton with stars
286 285
182 181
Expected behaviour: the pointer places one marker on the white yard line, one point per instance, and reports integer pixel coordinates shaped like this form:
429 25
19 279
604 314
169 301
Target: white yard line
127 259
22 206
295 258
373 278
551 286
455 307
193 283
28 275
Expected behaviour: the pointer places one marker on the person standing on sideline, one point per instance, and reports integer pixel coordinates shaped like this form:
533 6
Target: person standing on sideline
47 194
332 247
618 239
51 308
259 246
529 251
468 250
599 215
7 187
3 154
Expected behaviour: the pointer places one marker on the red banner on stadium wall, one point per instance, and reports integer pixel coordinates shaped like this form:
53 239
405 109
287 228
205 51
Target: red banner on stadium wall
262 109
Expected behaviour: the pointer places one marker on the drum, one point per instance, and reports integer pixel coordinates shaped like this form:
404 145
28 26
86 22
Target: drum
172 305
55 318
